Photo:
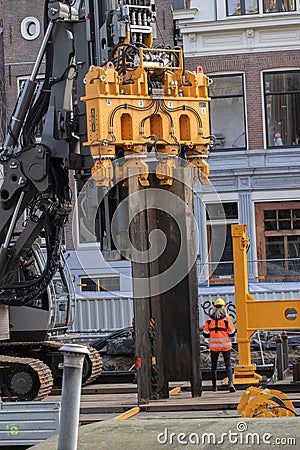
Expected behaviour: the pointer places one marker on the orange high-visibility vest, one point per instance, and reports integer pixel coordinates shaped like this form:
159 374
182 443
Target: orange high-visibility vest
219 333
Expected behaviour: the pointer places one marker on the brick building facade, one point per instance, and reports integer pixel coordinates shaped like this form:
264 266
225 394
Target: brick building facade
19 52
2 84
250 50
251 65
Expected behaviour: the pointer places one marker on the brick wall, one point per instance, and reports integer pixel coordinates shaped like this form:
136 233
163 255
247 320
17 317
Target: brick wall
164 23
2 85
19 53
252 64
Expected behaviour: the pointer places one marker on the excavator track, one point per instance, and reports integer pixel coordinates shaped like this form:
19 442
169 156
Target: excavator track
92 367
94 361
26 379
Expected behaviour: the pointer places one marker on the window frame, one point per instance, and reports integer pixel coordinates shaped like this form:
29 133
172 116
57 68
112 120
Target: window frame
271 93
96 279
280 10
243 95
25 28
262 234
186 5
223 220
261 10
243 9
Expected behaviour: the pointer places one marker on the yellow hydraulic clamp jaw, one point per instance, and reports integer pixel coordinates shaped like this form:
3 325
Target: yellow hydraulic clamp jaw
261 403
148 104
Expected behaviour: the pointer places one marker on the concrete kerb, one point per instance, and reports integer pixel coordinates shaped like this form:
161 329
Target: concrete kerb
227 433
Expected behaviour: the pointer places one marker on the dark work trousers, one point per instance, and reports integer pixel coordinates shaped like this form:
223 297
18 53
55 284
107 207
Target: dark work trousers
214 360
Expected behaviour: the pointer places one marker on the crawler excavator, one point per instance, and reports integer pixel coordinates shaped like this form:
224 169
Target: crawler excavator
106 92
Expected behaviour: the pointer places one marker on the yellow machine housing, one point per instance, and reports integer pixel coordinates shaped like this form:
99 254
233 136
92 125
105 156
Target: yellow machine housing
130 116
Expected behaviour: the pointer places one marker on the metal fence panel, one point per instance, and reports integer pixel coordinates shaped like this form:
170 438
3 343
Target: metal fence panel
260 291
110 312
28 423
103 313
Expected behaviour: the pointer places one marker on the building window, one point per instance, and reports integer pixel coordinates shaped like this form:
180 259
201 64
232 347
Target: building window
30 28
22 80
247 7
273 6
227 111
100 284
278 237
219 218
282 106
241 7
181 4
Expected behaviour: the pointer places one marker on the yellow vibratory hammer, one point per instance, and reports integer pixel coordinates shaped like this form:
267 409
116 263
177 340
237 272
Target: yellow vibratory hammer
151 103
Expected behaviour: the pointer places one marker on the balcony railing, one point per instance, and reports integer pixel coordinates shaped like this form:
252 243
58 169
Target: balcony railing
268 270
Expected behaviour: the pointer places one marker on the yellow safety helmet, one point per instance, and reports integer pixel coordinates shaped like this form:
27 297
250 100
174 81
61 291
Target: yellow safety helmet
219 302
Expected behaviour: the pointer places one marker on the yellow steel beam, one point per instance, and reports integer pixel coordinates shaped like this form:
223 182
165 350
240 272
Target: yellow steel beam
127 414
251 314
273 314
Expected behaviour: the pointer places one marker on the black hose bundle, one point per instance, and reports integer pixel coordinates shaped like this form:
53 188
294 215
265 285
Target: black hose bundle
99 344
55 210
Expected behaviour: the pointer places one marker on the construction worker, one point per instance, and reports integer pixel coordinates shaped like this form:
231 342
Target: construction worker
219 330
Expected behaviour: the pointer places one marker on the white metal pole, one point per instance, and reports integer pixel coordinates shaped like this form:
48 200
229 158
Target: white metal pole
71 388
